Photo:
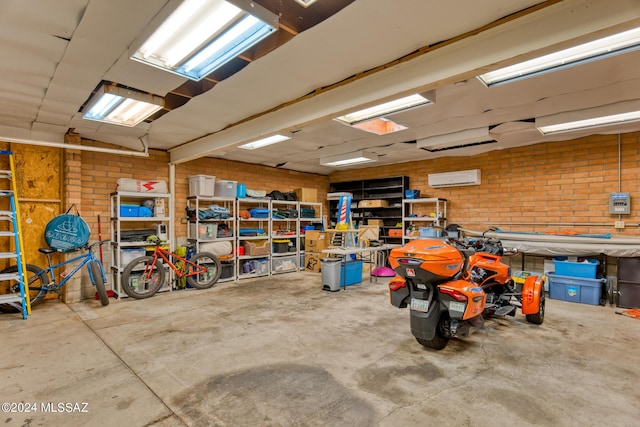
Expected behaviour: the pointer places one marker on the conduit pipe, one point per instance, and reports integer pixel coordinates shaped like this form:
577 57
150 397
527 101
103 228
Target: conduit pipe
144 153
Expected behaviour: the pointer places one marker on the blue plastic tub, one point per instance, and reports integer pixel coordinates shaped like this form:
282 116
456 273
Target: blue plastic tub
576 269
411 194
575 289
129 210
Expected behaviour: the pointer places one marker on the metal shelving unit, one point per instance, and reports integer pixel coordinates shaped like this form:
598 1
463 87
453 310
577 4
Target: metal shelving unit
423 212
121 223
391 190
203 232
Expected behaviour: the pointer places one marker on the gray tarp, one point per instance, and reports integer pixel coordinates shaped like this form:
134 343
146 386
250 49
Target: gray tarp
553 245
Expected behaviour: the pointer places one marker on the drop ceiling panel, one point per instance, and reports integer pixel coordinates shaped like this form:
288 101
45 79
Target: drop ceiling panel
44 78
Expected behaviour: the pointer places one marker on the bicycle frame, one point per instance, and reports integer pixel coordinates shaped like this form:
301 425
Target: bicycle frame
50 270
167 257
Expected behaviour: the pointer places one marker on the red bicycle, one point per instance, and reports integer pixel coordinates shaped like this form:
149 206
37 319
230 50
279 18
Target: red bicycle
145 275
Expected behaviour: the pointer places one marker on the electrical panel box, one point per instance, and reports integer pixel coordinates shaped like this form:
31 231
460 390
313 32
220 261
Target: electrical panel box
619 203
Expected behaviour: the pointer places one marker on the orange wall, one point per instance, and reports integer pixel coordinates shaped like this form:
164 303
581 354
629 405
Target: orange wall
544 187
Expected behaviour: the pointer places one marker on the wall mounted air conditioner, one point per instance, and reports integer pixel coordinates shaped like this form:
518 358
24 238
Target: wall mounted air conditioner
455 179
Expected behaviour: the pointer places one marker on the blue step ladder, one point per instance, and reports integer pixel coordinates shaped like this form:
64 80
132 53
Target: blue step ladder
10 215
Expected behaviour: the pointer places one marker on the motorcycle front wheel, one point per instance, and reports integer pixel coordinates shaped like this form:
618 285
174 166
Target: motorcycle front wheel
440 340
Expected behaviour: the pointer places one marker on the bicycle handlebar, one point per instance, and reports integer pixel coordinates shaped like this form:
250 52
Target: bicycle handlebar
96 243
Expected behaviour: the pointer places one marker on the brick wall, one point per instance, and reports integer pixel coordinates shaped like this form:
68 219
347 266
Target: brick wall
544 187
100 172
255 177
547 187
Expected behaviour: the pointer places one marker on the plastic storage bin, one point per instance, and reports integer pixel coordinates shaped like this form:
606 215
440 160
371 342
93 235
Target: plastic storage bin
228 270
575 289
352 273
207 231
226 188
285 263
129 210
576 269
202 185
281 246
411 194
428 232
261 265
129 255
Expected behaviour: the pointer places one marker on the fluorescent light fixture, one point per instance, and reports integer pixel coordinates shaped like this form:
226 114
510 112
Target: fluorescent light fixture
589 118
192 38
121 106
387 108
273 139
591 51
349 159
305 3
455 139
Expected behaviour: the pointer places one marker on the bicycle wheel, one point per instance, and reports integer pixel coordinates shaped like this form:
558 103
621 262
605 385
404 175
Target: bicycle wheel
141 278
37 280
98 280
208 279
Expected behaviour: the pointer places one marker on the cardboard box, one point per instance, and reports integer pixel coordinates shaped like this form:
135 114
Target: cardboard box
378 222
373 204
312 261
316 241
306 194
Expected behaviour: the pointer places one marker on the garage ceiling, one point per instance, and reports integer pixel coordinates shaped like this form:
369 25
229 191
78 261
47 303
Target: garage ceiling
328 59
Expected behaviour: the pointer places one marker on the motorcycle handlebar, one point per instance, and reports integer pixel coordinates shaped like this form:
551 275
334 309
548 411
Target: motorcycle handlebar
483 244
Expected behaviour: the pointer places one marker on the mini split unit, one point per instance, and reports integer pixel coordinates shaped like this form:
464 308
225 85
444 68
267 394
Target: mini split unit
455 179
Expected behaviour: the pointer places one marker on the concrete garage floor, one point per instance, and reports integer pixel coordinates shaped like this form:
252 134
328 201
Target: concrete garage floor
279 351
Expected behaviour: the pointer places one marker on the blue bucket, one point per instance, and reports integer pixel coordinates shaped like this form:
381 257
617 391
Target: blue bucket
241 191
411 194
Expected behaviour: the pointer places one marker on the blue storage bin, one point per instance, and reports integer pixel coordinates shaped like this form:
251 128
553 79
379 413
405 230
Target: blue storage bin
351 273
411 194
575 289
428 232
576 269
129 210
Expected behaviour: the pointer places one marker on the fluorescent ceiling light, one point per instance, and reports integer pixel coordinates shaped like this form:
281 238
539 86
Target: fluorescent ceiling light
456 139
591 51
264 142
349 159
606 115
305 3
192 38
395 106
121 106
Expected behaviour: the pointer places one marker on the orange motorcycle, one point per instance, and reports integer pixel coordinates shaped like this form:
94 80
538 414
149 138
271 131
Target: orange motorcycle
451 285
